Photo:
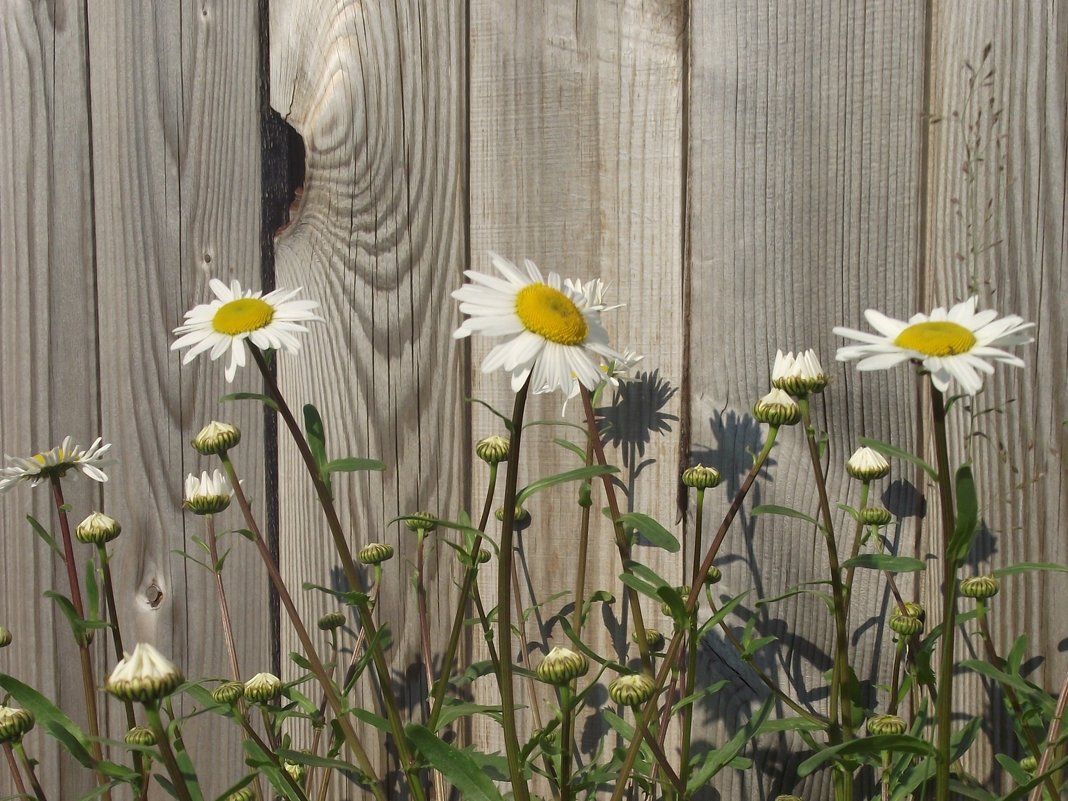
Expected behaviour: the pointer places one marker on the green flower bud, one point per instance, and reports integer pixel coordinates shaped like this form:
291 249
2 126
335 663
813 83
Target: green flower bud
700 477
421 521
229 692
561 666
375 553
1029 763
980 587
263 687
777 409
683 591
493 450
907 621
244 794
714 576
5 637
867 464
295 770
331 621
145 675
97 529
483 556
788 798
216 438
140 735
14 723
886 724
521 514
653 639
632 690
875 516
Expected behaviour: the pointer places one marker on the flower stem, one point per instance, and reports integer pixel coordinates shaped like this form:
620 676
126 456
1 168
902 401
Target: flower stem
504 605
944 702
220 594
88 681
16 774
37 789
270 752
305 640
424 615
672 653
164 744
691 648
566 722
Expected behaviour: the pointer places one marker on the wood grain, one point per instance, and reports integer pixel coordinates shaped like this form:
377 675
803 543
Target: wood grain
376 92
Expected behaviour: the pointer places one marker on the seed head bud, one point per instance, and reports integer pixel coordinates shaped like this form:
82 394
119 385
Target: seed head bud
216 438
263 687
375 553
875 516
521 514
14 723
980 587
229 692
777 409
700 477
867 464
331 621
632 690
493 450
145 675
799 375
5 637
886 724
654 639
907 621
97 529
561 666
714 576
140 735
421 521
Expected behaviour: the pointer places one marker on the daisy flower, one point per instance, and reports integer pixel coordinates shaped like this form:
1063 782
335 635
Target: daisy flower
267 321
613 372
956 345
208 494
56 462
553 328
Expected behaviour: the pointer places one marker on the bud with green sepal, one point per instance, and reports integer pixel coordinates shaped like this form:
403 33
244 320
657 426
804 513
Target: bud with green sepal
97 528
909 620
632 690
229 692
216 438
700 477
493 450
562 666
980 587
263 687
777 409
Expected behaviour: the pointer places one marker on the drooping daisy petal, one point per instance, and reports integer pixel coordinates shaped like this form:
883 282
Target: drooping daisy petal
269 322
56 462
954 345
553 329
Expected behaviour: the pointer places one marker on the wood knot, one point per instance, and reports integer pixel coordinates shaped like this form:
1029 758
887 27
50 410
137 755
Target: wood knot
153 595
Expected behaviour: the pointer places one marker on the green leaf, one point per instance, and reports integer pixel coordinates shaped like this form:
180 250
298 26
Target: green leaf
719 758
49 716
886 449
452 711
1026 567
967 516
577 474
78 624
785 511
886 562
571 446
872 746
455 765
313 426
265 400
649 528
43 533
352 464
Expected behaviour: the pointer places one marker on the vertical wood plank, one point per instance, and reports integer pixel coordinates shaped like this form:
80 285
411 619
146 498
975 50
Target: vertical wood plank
576 163
376 92
804 140
48 369
176 168
997 189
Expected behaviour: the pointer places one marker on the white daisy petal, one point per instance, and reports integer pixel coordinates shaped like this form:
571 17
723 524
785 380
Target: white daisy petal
64 459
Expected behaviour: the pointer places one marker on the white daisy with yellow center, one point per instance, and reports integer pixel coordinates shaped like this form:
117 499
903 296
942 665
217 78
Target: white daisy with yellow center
267 321
554 331
955 345
56 462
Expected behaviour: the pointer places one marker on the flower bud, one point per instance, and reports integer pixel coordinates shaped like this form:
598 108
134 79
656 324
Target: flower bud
867 464
714 576
632 690
97 529
14 723
145 675
1029 763
800 375
777 409
683 591
5 637
788 798
653 639
263 687
140 735
295 770
561 666
907 621
216 438
207 495
521 514
483 556
331 621
375 553
875 516
493 450
421 521
244 794
980 587
700 477
886 724
229 692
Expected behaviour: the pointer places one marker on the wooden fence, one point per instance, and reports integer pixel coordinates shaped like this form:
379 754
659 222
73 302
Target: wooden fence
746 174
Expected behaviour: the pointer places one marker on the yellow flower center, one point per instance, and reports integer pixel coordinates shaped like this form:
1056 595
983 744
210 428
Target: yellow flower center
550 313
936 338
242 315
